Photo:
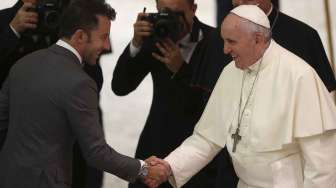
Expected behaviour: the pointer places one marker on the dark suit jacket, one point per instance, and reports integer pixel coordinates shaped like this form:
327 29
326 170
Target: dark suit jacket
46 103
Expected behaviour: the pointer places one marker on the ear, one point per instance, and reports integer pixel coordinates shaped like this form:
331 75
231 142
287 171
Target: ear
80 36
259 38
194 8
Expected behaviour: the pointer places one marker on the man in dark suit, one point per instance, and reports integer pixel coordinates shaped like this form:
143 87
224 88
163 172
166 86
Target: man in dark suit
178 98
48 101
20 35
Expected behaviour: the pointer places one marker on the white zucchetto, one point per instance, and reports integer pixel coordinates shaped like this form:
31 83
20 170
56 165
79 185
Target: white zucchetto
252 13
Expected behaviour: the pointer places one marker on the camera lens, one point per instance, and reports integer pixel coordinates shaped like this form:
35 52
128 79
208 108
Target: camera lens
162 29
51 19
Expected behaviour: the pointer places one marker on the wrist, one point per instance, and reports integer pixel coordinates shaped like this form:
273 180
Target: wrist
144 169
136 43
15 31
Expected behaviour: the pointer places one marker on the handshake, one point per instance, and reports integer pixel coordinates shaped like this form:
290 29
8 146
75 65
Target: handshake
158 172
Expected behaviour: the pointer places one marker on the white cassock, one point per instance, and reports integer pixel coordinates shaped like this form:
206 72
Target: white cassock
287 128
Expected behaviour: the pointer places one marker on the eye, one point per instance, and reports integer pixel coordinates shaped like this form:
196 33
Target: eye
229 42
104 37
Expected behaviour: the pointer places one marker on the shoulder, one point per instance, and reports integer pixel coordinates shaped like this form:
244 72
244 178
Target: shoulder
292 64
206 29
295 24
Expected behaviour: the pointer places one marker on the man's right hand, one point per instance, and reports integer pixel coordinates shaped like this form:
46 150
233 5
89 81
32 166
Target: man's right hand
142 29
24 18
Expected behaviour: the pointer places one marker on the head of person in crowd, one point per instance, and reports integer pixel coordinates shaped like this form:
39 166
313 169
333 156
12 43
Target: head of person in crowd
86 27
187 8
246 34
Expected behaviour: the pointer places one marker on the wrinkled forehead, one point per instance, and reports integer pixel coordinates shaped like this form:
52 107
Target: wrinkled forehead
231 21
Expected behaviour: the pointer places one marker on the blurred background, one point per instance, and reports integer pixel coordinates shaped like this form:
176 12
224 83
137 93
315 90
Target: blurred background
124 117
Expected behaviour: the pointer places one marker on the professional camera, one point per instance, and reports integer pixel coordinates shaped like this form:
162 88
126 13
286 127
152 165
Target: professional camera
49 13
166 23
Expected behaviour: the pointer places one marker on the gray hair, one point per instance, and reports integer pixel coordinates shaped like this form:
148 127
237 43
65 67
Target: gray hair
252 27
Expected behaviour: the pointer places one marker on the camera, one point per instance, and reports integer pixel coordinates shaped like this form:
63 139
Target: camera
166 23
49 13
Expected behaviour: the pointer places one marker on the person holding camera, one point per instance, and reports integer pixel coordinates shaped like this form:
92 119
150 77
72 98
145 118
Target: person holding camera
14 22
170 45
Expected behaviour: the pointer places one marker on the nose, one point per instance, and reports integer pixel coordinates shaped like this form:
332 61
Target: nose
107 44
226 49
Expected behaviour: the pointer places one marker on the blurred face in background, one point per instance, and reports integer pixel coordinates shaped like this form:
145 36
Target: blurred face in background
182 6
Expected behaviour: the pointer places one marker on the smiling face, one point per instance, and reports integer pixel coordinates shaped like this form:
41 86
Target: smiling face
238 42
98 41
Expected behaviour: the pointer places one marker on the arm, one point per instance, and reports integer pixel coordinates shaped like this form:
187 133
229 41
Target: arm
129 72
4 111
189 158
12 27
8 41
81 109
319 160
132 65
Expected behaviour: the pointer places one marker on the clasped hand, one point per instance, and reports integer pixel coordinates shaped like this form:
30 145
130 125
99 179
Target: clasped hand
158 172
170 55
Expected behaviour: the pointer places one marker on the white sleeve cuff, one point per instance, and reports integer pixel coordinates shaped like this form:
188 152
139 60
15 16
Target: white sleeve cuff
133 50
16 33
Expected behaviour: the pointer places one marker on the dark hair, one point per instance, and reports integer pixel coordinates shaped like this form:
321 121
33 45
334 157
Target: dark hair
82 14
191 2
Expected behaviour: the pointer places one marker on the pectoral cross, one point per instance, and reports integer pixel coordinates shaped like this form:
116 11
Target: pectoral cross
236 138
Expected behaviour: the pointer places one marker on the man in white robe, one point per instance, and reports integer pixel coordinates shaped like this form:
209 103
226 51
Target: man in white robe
286 137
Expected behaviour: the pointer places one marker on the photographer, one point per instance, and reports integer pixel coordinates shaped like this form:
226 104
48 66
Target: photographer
172 53
31 25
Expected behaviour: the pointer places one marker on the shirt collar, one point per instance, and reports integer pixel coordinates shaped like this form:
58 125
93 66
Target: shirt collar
185 41
70 48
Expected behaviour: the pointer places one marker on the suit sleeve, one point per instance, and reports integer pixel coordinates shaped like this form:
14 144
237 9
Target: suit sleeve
81 109
129 72
8 39
4 111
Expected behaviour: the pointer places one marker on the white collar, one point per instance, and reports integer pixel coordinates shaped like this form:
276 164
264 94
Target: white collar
185 41
264 60
67 46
